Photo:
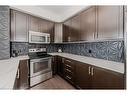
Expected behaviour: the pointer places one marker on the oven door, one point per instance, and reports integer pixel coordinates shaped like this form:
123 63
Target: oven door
40 66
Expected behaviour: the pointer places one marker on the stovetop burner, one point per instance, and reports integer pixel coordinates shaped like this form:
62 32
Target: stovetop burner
34 56
38 53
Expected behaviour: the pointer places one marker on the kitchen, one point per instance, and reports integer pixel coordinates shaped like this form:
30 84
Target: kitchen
83 49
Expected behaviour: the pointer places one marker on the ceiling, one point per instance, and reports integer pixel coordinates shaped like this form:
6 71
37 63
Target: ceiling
54 12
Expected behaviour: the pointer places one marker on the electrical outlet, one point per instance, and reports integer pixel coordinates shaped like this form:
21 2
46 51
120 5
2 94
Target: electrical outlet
90 51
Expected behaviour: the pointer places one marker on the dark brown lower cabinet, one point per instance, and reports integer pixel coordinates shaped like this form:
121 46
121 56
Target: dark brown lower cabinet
92 77
54 65
85 76
22 77
16 84
82 77
23 74
60 66
106 79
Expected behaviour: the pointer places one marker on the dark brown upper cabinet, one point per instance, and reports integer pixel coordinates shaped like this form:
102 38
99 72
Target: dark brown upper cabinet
22 23
33 23
51 26
110 22
66 30
88 24
75 29
19 26
43 26
96 22
47 27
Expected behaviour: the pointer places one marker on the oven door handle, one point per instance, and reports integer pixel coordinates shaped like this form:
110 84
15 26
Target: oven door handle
40 60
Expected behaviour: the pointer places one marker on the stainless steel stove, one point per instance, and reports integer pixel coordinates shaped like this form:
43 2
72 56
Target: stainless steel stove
40 65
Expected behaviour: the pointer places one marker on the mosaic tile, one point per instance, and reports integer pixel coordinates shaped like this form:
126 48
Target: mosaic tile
108 50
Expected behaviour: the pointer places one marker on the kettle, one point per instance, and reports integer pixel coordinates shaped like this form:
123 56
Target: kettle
59 50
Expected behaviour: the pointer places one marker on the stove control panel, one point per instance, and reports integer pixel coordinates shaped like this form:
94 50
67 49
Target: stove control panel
37 50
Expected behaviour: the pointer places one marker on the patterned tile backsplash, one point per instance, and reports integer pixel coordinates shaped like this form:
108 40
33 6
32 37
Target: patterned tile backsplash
21 47
50 47
108 50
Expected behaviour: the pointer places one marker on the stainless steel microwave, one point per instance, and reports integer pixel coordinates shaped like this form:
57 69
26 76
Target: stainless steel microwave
38 37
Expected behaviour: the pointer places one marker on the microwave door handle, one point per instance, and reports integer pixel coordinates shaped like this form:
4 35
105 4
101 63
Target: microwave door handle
46 38
49 39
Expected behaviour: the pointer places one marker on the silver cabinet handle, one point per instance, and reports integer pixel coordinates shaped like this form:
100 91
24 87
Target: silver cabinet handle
93 35
68 61
92 71
69 70
62 60
68 77
89 69
18 74
68 65
69 39
28 67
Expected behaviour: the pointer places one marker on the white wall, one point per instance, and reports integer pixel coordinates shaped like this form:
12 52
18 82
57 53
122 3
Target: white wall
37 11
71 12
57 15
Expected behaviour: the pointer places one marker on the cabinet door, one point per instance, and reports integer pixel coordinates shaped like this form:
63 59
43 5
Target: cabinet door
105 79
43 26
82 77
46 27
75 29
66 31
60 67
58 32
23 74
110 22
33 24
16 83
88 24
50 30
54 65
19 26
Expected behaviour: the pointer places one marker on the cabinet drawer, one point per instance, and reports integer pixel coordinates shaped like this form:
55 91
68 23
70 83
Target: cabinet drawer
68 70
69 77
68 64
69 67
